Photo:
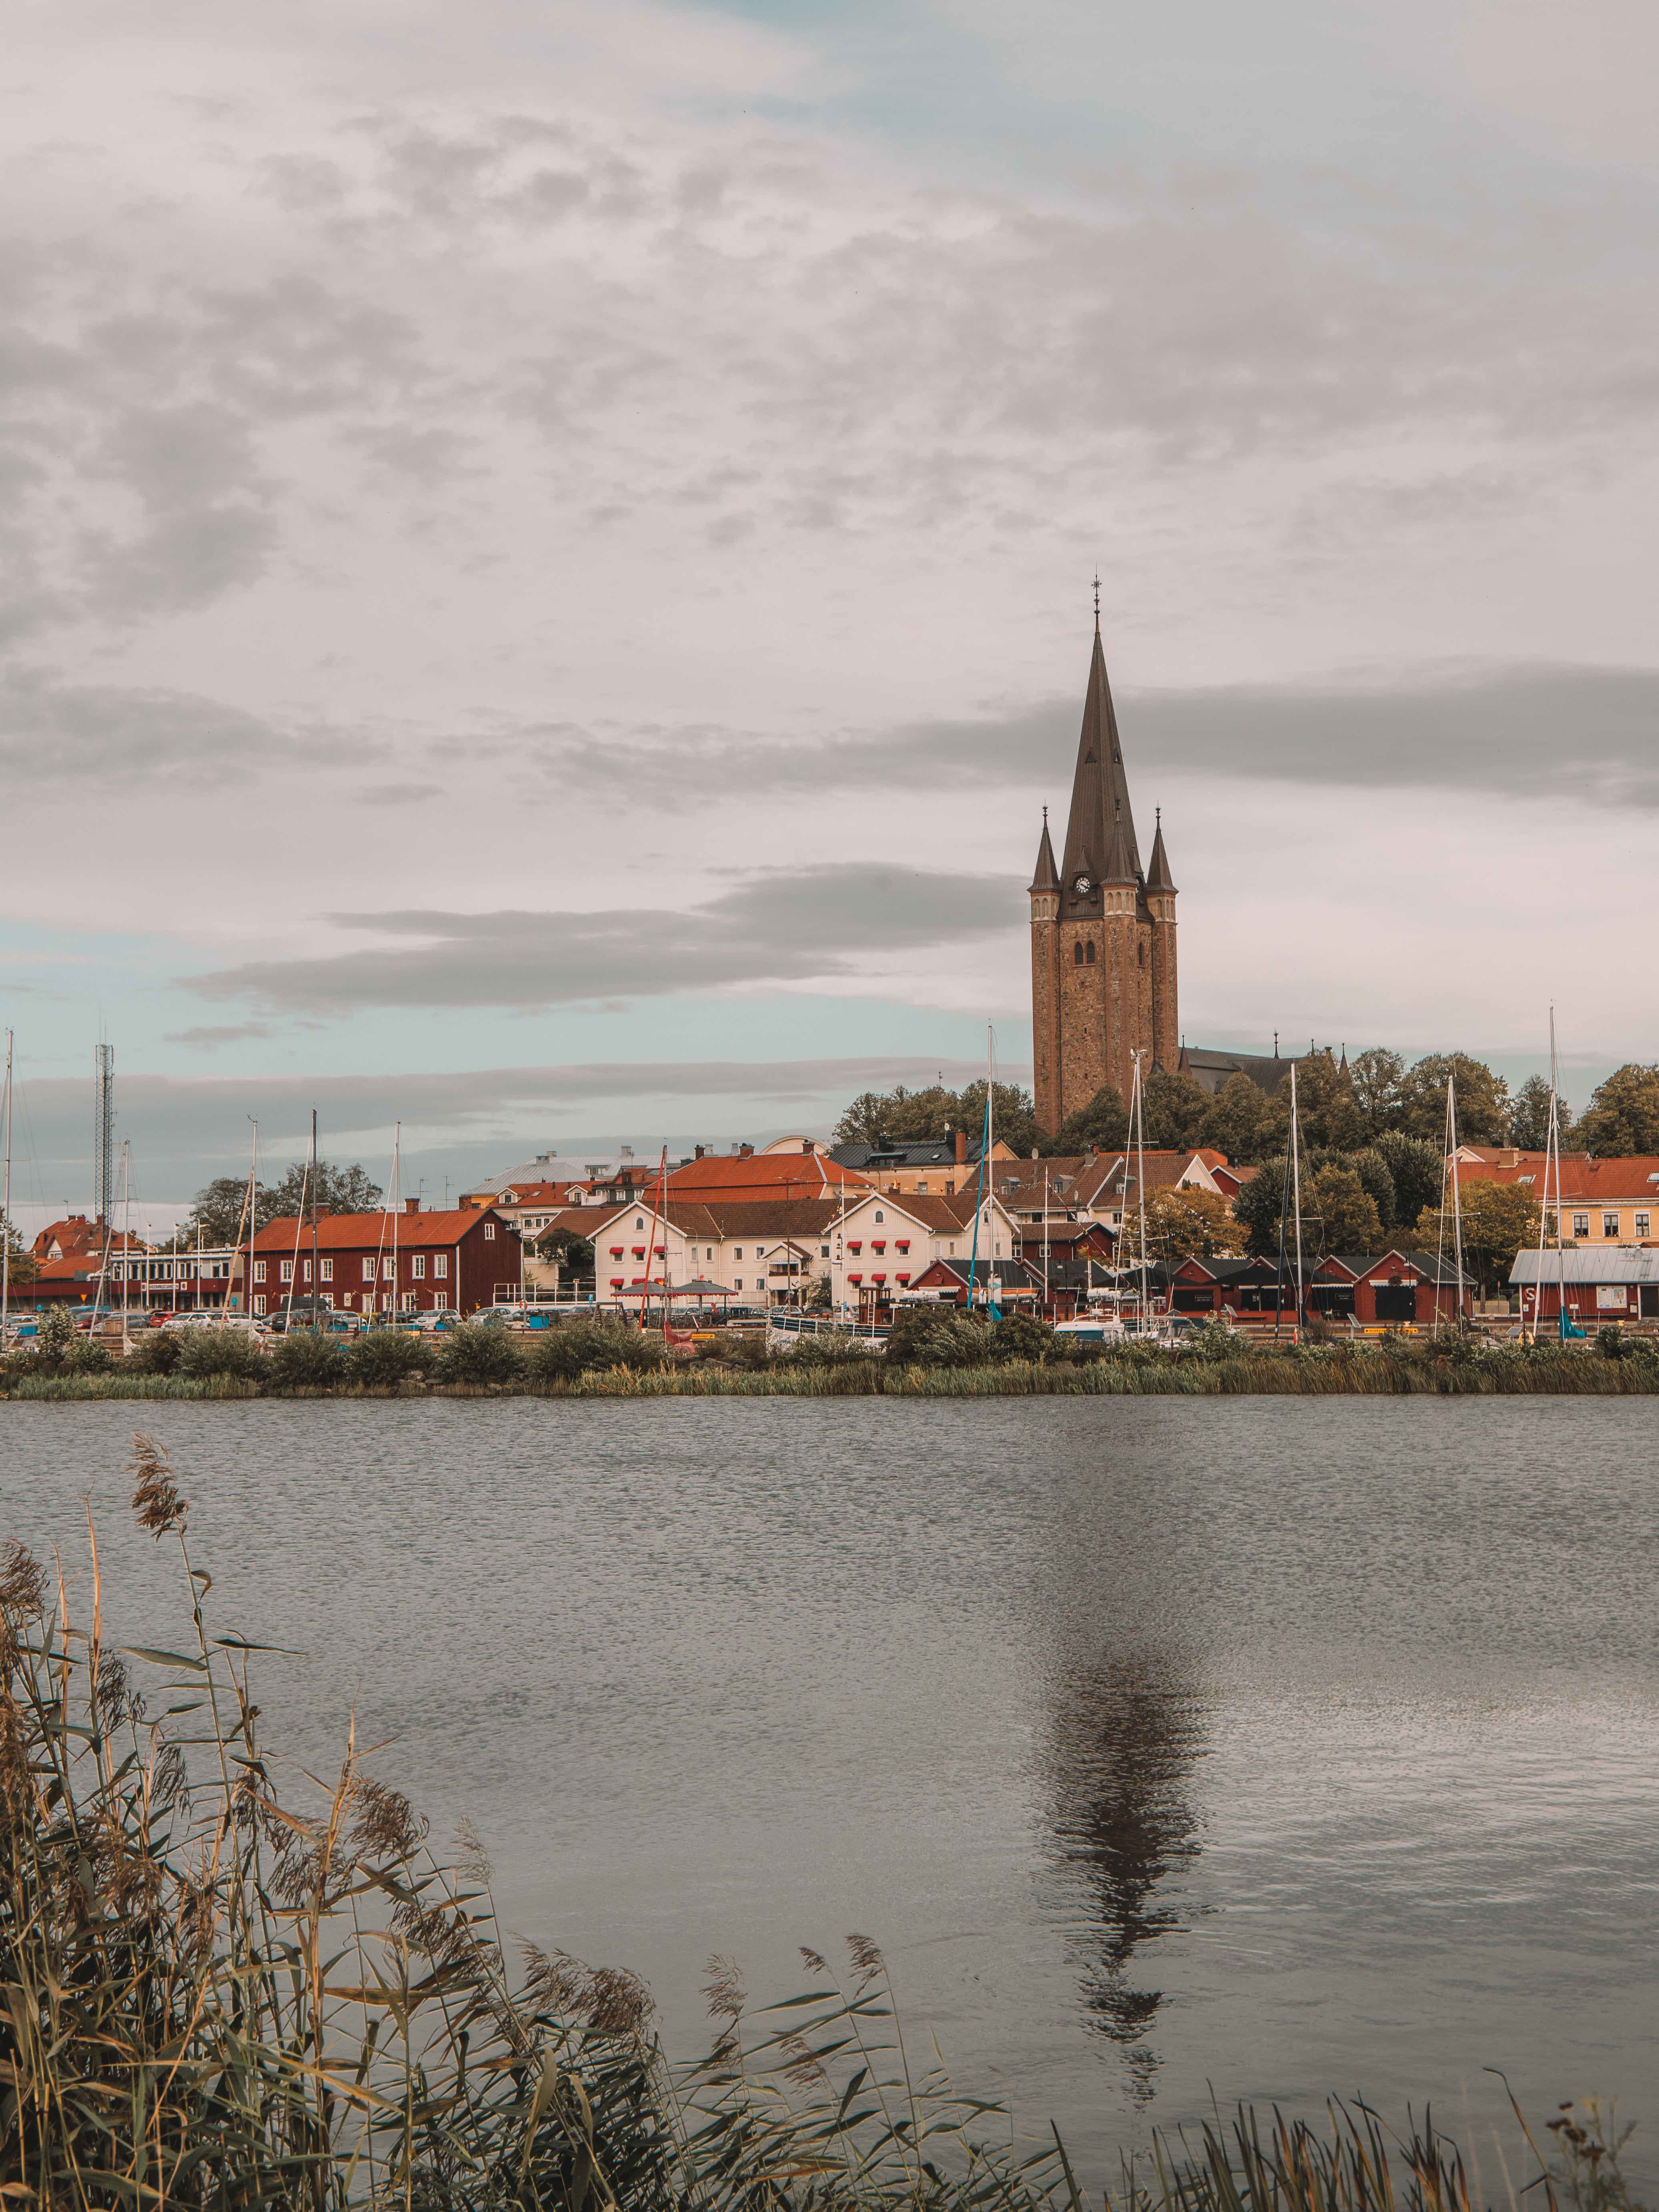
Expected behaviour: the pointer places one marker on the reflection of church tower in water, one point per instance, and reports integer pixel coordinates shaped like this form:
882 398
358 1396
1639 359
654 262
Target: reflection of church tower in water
1124 1739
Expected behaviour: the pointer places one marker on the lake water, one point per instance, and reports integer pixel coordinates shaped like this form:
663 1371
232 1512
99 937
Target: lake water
1278 1746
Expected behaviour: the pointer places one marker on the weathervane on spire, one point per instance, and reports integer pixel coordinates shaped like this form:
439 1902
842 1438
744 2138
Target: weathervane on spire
1097 602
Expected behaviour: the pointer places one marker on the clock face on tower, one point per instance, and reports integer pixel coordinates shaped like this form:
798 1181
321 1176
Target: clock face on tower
1082 886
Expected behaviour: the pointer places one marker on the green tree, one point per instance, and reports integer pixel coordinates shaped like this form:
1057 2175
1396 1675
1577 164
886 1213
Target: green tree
21 1266
217 1216
1417 1168
1325 1110
1483 1100
1238 1121
1256 1207
1341 1214
574 1254
1100 1127
339 1190
1529 1116
1622 1119
1499 1220
1187 1225
1376 1075
915 1117
1014 1118
1377 1182
1173 1108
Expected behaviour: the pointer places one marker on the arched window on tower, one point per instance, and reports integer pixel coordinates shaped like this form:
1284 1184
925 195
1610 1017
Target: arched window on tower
1077 953
1089 955
1142 948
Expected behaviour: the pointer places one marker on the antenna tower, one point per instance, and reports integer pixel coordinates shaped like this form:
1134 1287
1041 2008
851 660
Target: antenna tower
103 1134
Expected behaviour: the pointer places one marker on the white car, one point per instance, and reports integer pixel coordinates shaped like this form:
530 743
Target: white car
204 1317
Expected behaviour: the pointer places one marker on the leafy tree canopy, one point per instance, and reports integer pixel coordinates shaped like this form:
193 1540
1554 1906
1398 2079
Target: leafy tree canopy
1417 1168
911 1117
1341 1214
21 1268
1500 1219
1623 1115
1239 1122
1483 1100
1174 1109
1529 1116
219 1214
1099 1127
1376 1075
1186 1224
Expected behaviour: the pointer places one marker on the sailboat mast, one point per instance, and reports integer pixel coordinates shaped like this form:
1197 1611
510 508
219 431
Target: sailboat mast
126 1240
1296 1175
315 1278
1140 1111
1457 1201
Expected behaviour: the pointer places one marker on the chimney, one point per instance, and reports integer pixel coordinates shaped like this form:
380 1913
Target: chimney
411 1206
745 1152
962 1148
807 1144
699 1151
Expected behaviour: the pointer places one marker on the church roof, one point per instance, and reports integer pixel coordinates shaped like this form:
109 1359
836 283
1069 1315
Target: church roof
1046 877
1159 877
1100 791
1120 869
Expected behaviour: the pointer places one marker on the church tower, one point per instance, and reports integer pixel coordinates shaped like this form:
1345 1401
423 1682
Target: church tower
1103 932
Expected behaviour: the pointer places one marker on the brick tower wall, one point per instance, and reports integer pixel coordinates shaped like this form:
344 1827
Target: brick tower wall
1165 994
1082 1027
1045 1010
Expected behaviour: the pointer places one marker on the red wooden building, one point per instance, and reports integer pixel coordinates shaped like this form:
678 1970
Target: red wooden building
1384 1290
380 1263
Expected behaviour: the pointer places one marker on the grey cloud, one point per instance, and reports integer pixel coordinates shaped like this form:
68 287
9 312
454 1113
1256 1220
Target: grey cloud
1592 734
185 1131
209 1039
55 732
779 927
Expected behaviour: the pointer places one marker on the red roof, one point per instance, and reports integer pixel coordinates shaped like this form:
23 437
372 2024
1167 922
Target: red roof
1586 1178
355 1231
762 1176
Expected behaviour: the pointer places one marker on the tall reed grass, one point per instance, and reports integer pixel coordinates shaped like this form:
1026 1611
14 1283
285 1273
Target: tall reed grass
233 1987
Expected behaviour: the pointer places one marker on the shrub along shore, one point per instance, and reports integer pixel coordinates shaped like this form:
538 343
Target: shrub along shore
232 1984
933 1356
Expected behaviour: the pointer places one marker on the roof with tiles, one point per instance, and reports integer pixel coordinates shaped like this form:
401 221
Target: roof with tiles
358 1232
728 1176
1586 1178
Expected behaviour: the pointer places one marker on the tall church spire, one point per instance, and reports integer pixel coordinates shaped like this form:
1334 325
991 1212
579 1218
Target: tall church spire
1046 877
1159 877
1100 793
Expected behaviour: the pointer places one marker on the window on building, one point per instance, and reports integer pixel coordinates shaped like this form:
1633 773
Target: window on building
258 1305
880 1216
417 1267
306 1270
258 1270
902 1245
287 1271
440 1265
823 1251
1581 1225
1609 1225
441 1302
386 1266
368 1271
738 1255
489 1230
1141 950
1089 953
639 1221
1642 1220
1077 954
328 1271
737 1282
408 1301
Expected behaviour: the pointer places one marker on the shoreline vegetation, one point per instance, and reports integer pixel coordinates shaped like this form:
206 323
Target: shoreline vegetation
230 1982
934 1356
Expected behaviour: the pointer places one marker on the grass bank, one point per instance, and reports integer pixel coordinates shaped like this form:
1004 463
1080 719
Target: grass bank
1315 1372
229 1983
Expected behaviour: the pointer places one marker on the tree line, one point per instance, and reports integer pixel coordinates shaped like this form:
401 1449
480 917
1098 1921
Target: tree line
219 1212
1339 1109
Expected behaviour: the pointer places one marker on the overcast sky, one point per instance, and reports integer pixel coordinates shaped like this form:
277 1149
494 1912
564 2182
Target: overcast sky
551 543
